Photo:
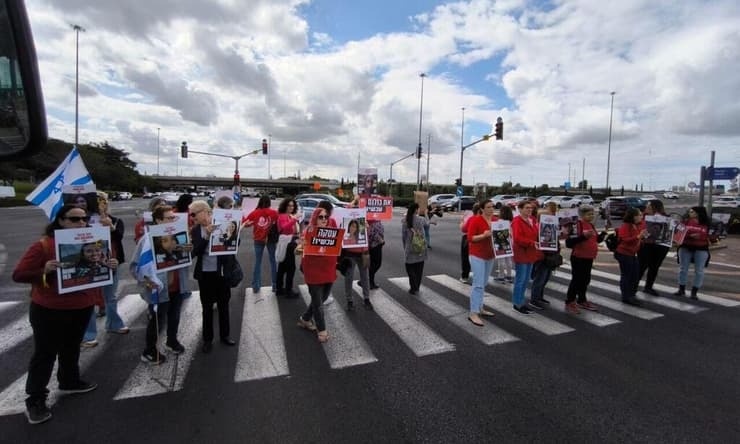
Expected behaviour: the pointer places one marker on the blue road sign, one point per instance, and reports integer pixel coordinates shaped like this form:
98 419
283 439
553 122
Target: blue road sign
459 191
566 185
728 173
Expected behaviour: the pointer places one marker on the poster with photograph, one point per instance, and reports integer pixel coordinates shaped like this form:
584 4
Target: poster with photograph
83 196
549 232
367 181
568 221
83 254
167 240
354 222
324 241
660 230
378 207
679 233
249 204
225 238
501 237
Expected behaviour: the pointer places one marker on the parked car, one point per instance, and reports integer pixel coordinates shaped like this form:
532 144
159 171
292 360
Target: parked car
306 205
542 199
726 201
334 201
670 195
584 199
466 203
564 201
648 197
500 200
439 199
617 206
121 195
170 198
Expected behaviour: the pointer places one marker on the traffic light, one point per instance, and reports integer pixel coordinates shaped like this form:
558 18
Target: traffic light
458 182
237 180
499 129
418 151
264 146
184 150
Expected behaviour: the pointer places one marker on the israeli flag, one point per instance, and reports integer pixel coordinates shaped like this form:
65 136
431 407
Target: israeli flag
146 268
48 195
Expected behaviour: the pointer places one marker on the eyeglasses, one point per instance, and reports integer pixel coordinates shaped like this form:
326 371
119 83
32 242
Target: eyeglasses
322 217
195 213
77 219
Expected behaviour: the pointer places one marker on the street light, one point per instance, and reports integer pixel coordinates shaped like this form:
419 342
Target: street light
157 151
609 146
77 29
464 147
390 179
418 148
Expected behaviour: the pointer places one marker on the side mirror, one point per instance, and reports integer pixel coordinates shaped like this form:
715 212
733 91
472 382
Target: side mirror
23 129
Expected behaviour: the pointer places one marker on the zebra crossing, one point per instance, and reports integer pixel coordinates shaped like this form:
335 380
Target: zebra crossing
262 352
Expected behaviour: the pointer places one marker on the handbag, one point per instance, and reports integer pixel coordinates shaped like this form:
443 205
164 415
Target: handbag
234 273
553 261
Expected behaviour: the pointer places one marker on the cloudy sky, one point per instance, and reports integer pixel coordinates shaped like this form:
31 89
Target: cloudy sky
330 80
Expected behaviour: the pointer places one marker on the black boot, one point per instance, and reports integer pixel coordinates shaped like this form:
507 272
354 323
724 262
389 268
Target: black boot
694 290
681 291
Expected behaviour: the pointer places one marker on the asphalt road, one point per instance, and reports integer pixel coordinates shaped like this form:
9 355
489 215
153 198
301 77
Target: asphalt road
410 371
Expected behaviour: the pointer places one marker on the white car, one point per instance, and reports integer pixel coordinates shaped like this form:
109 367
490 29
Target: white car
727 201
564 201
670 195
584 199
648 197
439 199
500 200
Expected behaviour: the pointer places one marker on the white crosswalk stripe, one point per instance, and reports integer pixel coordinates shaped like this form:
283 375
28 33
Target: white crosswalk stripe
609 303
147 379
346 346
13 397
14 333
537 322
4 306
676 305
417 335
261 347
489 334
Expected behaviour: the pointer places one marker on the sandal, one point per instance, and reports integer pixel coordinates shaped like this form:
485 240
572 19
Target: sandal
308 325
323 336
484 312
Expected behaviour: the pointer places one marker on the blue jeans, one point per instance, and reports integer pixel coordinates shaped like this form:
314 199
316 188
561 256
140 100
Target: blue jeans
540 275
700 258
629 269
481 269
427 237
113 320
523 273
259 248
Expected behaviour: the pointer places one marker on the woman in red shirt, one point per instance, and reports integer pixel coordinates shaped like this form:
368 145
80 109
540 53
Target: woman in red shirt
287 223
694 249
261 219
630 234
525 234
58 322
480 254
585 248
319 273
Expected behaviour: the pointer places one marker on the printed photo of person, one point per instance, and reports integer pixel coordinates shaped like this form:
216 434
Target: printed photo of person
229 234
167 251
352 236
367 181
84 263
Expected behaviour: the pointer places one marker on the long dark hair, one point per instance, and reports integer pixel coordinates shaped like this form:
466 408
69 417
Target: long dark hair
283 208
630 214
410 215
264 201
506 213
61 214
657 206
181 206
701 215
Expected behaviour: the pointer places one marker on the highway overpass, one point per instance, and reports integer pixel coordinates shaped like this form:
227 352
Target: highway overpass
284 186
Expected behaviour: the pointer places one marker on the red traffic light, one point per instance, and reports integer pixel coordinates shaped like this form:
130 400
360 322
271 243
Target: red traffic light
264 146
184 150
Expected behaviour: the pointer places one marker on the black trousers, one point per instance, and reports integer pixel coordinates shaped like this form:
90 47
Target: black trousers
464 260
214 289
286 270
651 257
580 278
415 272
376 260
319 293
167 313
55 333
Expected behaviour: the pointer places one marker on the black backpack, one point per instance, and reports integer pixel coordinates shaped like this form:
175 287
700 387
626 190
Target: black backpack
611 241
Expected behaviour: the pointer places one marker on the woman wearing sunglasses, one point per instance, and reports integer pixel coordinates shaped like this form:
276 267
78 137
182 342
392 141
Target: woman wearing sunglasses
319 273
58 322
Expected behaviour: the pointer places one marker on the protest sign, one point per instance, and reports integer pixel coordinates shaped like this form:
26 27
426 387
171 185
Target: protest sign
83 254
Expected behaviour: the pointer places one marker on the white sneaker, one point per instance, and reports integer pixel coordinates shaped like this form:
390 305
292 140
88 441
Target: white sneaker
329 300
89 344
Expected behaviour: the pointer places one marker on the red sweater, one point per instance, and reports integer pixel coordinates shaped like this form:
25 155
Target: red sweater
697 235
262 219
318 269
30 270
482 249
525 236
588 248
629 239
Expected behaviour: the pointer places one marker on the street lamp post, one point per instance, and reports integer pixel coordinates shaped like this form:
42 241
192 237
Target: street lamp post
418 148
462 149
429 156
157 151
609 146
390 179
77 29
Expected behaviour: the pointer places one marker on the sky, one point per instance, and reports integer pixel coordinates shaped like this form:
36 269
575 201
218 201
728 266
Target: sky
334 83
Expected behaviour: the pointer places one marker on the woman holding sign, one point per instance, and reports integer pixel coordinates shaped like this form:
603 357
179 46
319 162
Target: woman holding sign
319 273
525 234
58 321
694 249
651 254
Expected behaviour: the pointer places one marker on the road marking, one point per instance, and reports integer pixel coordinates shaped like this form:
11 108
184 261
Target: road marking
539 323
489 334
12 399
346 347
417 335
592 317
8 305
261 348
15 333
665 288
147 379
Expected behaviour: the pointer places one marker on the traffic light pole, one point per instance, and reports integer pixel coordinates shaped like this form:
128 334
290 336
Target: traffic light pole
390 179
237 181
462 151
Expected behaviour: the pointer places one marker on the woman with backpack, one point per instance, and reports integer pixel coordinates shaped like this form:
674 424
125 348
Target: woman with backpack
630 235
262 219
414 246
480 254
584 249
694 249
